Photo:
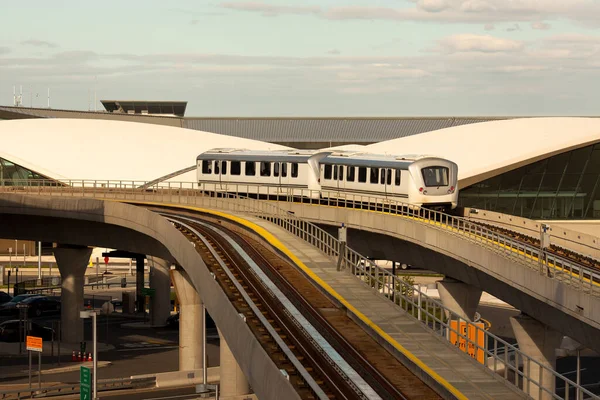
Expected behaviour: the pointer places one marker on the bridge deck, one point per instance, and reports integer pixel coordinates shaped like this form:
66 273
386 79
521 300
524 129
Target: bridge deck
471 379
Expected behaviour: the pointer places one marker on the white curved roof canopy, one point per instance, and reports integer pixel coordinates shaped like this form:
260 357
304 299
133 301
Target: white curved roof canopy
487 149
109 150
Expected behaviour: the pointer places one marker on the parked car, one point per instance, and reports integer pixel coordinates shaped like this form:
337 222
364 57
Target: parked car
173 321
10 307
39 305
9 331
4 297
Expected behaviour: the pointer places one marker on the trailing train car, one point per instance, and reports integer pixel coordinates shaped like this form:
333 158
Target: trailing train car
262 173
419 180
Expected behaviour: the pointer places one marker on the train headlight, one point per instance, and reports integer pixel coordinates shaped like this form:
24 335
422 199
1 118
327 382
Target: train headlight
451 190
424 191
421 189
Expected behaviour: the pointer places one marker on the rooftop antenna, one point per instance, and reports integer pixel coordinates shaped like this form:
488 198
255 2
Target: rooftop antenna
48 97
14 95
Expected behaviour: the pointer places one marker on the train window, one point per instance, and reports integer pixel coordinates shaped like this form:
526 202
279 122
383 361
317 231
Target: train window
276 169
341 167
327 174
283 169
362 174
236 168
223 167
435 176
265 168
294 170
250 168
335 172
397 180
217 167
350 174
206 166
382 177
388 175
374 175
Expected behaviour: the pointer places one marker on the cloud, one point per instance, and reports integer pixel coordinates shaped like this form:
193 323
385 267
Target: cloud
270 10
4 50
39 43
194 22
478 43
514 28
334 51
489 27
432 5
449 11
540 26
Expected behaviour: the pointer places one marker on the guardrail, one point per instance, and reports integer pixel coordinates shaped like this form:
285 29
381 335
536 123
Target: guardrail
63 390
429 311
551 265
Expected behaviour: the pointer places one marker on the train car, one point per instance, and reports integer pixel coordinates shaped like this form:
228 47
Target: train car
419 180
264 174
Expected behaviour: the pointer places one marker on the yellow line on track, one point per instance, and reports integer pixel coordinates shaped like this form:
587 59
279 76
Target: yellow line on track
280 246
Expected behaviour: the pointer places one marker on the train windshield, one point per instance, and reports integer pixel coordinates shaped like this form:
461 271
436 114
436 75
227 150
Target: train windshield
435 176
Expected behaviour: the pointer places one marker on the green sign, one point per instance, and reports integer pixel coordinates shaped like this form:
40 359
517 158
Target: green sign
85 382
148 292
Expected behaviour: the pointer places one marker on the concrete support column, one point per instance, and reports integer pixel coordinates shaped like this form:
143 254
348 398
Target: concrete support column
72 262
190 321
233 380
160 281
140 300
539 342
459 297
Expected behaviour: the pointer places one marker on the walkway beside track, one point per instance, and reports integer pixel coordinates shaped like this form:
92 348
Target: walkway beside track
432 353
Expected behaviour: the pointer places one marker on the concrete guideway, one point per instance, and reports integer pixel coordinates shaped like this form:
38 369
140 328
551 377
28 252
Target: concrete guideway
241 206
89 222
575 313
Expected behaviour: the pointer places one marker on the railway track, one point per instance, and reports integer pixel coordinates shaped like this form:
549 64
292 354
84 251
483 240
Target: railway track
570 255
322 351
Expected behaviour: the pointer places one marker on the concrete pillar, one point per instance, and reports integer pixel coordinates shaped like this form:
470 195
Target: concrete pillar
233 380
140 300
72 262
190 321
539 342
459 297
160 281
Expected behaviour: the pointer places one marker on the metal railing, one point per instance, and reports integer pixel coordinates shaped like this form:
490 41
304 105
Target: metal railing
505 359
70 389
547 263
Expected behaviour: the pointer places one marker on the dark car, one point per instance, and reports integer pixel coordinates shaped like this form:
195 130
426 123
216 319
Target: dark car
39 305
9 331
10 307
4 297
173 321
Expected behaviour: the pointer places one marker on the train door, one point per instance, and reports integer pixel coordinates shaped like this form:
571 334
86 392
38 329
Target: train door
280 173
221 169
338 176
386 181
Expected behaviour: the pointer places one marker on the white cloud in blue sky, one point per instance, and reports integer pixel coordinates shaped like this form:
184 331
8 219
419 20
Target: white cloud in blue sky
328 57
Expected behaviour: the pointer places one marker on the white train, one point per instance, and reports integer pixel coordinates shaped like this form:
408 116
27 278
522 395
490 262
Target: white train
352 176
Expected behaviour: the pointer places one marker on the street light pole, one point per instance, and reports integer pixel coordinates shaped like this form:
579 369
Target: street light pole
87 314
95 359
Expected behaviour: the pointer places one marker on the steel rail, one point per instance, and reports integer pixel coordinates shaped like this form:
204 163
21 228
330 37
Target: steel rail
282 345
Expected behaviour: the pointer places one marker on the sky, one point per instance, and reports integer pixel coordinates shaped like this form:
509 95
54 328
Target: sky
307 57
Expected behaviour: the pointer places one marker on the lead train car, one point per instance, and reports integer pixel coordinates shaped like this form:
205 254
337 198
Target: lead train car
421 181
417 180
260 173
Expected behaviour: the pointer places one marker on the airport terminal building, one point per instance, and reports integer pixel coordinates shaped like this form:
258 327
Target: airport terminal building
538 168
